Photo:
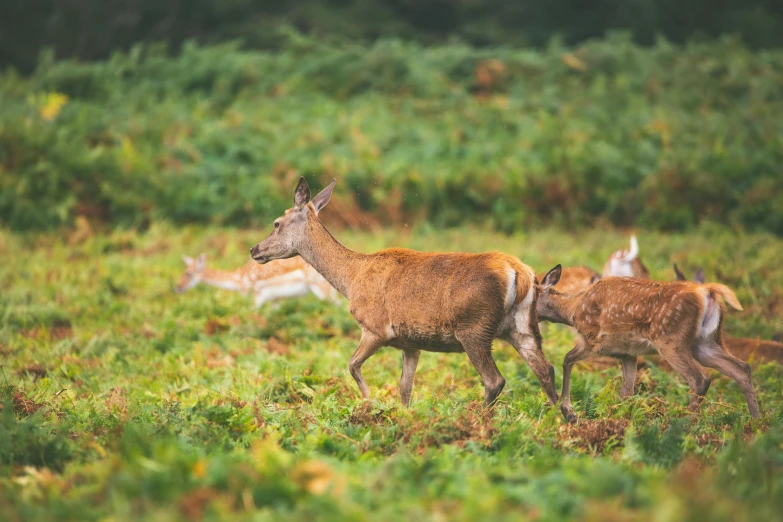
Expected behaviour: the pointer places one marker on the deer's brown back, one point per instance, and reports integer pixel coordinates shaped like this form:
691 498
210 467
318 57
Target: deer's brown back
647 308
431 294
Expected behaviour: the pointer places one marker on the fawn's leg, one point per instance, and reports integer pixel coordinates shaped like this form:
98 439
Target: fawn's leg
678 354
629 374
578 353
712 354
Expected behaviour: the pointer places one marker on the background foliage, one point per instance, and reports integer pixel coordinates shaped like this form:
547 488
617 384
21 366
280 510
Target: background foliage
90 29
664 136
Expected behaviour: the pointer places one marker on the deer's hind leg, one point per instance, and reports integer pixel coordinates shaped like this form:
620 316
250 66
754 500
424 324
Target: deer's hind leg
528 346
478 347
677 353
525 337
711 353
410 359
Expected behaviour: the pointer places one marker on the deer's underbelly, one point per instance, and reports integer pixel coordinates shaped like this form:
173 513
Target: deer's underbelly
421 337
624 344
428 345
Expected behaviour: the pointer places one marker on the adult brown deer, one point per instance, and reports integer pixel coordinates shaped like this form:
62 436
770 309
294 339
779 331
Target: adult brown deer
625 317
413 301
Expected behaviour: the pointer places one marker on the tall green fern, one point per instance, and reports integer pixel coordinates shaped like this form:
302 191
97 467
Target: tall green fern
659 447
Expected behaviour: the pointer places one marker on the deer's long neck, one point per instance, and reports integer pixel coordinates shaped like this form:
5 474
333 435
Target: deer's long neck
226 279
336 263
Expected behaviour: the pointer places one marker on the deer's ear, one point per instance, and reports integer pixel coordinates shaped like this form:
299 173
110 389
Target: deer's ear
302 194
323 197
679 276
201 262
187 260
699 276
552 277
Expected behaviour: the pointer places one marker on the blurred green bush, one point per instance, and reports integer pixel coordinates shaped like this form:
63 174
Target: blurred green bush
664 136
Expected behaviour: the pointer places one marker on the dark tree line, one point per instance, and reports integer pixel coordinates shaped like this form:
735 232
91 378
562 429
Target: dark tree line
90 29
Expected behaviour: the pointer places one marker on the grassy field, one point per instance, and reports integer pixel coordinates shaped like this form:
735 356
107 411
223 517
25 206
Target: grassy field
131 402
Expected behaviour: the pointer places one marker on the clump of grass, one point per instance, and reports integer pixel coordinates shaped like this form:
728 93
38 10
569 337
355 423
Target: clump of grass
659 444
27 437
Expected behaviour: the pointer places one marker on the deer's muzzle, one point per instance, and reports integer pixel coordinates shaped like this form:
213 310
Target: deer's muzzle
257 256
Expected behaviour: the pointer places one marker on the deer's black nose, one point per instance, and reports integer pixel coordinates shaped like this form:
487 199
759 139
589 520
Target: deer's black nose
251 250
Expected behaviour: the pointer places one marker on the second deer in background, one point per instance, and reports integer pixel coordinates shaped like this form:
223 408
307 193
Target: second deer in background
622 263
282 279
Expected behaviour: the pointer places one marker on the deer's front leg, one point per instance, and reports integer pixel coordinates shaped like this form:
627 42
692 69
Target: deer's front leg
410 359
368 345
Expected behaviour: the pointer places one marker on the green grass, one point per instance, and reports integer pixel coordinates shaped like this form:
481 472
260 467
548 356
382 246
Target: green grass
134 403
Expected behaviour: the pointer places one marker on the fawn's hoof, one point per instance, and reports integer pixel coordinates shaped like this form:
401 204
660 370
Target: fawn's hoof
568 414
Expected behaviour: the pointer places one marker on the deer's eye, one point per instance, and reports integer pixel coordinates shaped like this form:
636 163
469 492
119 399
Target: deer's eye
277 224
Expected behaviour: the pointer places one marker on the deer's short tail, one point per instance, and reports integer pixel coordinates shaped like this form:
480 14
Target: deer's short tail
725 293
526 284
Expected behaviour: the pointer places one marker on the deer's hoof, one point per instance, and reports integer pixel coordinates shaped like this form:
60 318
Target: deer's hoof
568 414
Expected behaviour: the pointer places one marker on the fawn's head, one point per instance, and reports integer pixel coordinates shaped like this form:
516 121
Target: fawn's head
546 307
194 270
291 229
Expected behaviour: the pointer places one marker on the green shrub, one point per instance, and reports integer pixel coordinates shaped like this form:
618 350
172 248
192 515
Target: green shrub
663 137
659 447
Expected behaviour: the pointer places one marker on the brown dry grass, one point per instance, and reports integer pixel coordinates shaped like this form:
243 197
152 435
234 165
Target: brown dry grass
594 435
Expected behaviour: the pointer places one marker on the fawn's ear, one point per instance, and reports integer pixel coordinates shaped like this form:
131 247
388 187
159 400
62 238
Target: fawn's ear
201 262
699 276
679 276
187 260
302 194
323 197
551 278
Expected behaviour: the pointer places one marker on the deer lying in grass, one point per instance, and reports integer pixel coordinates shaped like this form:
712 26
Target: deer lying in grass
744 348
413 301
624 317
280 280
